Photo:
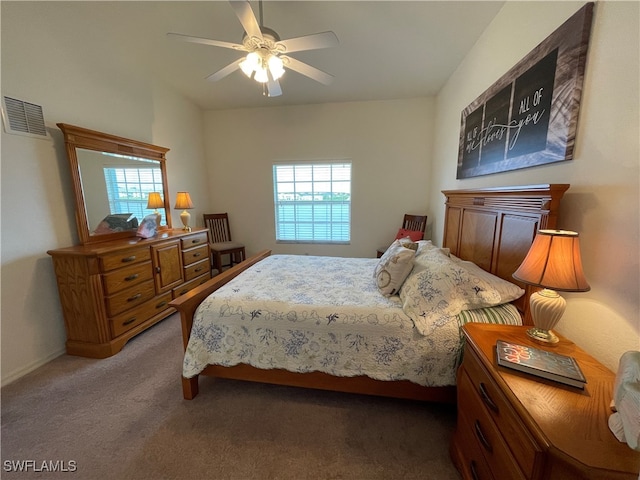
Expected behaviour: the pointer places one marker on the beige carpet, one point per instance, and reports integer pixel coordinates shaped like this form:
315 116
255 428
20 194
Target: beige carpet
124 418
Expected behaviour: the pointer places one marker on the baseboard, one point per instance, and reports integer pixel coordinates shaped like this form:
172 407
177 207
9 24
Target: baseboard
21 372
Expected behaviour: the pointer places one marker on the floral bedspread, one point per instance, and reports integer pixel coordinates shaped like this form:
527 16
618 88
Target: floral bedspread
329 316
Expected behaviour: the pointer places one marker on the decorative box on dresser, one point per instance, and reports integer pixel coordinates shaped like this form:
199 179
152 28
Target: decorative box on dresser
517 426
111 291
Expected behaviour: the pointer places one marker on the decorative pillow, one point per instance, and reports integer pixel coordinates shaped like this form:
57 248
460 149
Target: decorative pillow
414 235
393 267
439 289
508 291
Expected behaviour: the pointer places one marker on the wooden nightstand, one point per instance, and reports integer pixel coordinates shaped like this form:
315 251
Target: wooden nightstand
516 426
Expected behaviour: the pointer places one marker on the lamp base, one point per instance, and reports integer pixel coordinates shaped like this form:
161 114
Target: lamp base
540 335
184 218
547 307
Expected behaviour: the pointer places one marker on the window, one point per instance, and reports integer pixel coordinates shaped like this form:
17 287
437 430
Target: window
313 202
128 188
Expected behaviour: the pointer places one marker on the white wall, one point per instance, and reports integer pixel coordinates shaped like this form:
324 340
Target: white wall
388 142
602 203
45 65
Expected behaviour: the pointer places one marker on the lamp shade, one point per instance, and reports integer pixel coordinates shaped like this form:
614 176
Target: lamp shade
183 200
155 201
554 262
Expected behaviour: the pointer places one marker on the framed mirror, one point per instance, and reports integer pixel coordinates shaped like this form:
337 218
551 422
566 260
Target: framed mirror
115 181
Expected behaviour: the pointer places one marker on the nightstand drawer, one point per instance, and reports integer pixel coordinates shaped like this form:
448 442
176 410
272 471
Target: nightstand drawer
498 408
475 466
489 438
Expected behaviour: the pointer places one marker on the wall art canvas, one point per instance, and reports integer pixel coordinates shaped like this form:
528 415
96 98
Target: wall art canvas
529 116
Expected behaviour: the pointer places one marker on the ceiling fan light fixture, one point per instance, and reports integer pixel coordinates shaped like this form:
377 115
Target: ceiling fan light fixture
276 67
250 64
261 75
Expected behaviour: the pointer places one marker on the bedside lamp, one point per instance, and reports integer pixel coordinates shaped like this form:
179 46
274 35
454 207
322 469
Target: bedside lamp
155 201
183 201
553 263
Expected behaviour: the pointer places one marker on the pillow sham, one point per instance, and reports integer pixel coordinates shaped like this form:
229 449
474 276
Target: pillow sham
394 266
439 289
414 235
508 291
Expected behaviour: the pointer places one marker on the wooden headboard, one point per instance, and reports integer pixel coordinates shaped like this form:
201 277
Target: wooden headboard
494 227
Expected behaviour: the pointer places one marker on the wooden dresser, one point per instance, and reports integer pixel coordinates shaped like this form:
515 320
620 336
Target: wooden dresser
112 291
516 426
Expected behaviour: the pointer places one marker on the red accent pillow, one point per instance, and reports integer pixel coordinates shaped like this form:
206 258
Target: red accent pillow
414 235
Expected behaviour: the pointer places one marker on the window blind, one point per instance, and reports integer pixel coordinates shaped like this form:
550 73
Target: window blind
313 202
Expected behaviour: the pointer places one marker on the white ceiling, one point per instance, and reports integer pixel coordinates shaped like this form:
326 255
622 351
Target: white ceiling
388 49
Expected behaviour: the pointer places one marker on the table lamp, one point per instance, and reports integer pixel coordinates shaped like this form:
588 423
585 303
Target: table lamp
553 263
155 201
183 201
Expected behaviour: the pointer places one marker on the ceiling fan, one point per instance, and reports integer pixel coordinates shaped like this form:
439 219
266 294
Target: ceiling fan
267 55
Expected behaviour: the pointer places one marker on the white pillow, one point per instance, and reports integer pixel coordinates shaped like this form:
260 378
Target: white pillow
508 291
394 266
439 289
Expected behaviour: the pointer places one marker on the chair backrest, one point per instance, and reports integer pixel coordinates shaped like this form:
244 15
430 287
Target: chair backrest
415 222
218 225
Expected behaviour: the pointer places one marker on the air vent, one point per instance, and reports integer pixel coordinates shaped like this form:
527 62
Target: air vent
23 118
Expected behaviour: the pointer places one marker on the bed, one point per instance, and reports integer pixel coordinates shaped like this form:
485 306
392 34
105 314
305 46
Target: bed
384 347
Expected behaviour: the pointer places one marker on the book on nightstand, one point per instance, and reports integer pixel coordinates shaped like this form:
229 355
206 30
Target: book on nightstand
542 363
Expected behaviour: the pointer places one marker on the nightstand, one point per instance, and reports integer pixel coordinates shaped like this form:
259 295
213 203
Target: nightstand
517 426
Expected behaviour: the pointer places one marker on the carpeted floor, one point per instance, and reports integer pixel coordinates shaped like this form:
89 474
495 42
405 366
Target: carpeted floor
124 418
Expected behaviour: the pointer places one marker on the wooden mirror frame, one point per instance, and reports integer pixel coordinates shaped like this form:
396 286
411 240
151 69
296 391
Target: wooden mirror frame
77 137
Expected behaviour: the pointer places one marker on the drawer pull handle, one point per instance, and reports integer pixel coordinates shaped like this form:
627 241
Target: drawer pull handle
198 270
135 297
472 469
183 292
487 399
480 436
161 304
130 321
131 277
128 259
195 241
196 255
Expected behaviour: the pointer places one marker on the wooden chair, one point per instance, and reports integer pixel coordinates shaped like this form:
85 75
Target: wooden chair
417 223
221 243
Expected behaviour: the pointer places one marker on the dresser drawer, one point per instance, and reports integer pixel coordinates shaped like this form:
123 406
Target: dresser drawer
130 298
195 255
122 278
185 287
128 320
489 438
123 258
194 240
196 269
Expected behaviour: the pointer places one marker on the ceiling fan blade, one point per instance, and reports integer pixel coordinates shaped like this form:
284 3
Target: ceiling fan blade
273 88
307 70
310 42
229 69
246 17
205 41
